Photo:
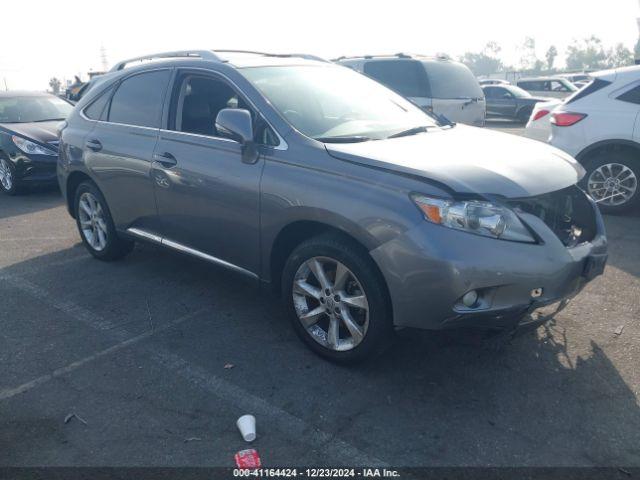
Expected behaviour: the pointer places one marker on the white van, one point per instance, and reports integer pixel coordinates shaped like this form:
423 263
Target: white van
436 84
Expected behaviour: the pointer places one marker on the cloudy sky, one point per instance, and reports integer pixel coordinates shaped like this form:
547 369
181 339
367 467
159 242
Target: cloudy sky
45 39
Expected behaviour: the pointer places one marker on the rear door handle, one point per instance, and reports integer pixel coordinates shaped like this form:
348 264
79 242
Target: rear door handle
94 145
165 159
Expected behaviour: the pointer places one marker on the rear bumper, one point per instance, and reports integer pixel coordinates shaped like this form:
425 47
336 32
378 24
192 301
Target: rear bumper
430 268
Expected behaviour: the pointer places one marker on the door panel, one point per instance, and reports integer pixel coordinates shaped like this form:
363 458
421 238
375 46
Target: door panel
209 201
122 170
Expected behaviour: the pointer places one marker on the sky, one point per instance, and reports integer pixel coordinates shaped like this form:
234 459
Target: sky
42 39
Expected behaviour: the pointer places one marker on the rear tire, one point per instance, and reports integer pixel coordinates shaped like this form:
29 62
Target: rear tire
524 114
9 183
619 172
354 301
96 226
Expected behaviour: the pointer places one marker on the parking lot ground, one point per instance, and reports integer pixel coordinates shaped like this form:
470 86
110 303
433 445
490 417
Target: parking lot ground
137 350
505 125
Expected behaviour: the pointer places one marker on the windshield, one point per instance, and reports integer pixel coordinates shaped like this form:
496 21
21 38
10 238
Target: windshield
451 80
33 109
517 91
332 102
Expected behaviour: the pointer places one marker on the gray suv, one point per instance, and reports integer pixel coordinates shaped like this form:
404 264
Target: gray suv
364 212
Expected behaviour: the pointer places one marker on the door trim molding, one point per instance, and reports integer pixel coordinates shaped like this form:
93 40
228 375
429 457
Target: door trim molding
188 250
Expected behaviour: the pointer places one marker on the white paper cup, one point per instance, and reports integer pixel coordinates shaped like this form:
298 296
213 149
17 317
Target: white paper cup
247 426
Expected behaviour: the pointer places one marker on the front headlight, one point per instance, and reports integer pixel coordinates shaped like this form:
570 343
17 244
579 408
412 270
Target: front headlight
473 216
27 146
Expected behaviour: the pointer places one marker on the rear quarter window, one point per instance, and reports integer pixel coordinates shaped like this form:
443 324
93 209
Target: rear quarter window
404 76
450 80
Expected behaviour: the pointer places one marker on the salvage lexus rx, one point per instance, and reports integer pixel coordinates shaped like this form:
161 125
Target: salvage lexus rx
364 211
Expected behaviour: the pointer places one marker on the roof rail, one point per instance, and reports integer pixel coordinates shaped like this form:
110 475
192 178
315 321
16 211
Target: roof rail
203 54
279 55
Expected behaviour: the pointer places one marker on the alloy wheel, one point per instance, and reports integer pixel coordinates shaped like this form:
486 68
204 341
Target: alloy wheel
6 177
330 303
612 184
92 221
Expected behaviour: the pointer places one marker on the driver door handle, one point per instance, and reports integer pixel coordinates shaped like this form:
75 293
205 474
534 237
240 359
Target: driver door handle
94 145
166 159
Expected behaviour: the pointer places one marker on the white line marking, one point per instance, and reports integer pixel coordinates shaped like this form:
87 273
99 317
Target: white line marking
12 392
336 450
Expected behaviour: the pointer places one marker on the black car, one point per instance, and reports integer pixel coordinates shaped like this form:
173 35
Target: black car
509 101
28 138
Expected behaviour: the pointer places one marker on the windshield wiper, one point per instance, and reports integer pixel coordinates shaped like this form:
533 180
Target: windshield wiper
48 120
411 131
351 139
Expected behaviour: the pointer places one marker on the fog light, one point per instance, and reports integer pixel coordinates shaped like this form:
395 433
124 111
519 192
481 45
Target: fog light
470 298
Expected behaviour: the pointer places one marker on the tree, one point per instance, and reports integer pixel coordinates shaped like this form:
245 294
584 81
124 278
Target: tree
55 83
550 56
484 62
619 56
636 50
587 54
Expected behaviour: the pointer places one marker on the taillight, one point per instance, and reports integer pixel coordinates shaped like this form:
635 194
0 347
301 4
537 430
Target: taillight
566 119
539 114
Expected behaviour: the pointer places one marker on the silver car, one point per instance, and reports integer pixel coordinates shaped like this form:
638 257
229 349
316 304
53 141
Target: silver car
363 211
436 84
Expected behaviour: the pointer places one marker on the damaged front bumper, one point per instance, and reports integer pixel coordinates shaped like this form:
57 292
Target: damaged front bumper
430 268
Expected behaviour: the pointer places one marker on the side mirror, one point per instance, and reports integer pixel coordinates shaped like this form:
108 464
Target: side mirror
236 124
506 95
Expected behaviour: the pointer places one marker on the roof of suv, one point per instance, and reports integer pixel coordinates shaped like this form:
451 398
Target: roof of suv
413 56
235 58
542 79
620 73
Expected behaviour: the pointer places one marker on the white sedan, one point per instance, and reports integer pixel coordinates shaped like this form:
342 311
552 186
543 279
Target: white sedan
538 126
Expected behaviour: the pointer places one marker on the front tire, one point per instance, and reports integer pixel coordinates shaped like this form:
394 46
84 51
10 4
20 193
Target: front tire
9 183
612 180
96 226
336 300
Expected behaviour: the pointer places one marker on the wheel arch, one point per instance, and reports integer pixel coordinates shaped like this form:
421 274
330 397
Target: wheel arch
616 145
297 231
73 181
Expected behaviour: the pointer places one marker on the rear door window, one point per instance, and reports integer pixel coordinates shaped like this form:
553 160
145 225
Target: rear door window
404 76
449 80
138 99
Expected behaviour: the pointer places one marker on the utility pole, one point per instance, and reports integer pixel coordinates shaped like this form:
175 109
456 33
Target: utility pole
103 57
5 84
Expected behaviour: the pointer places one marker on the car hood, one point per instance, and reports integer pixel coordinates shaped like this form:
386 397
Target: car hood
43 132
470 160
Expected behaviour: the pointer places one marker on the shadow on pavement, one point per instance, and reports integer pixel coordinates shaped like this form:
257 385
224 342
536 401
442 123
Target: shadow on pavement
29 201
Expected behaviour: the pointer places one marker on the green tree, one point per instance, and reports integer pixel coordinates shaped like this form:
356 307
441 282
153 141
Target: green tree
55 83
620 56
484 62
550 56
587 54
